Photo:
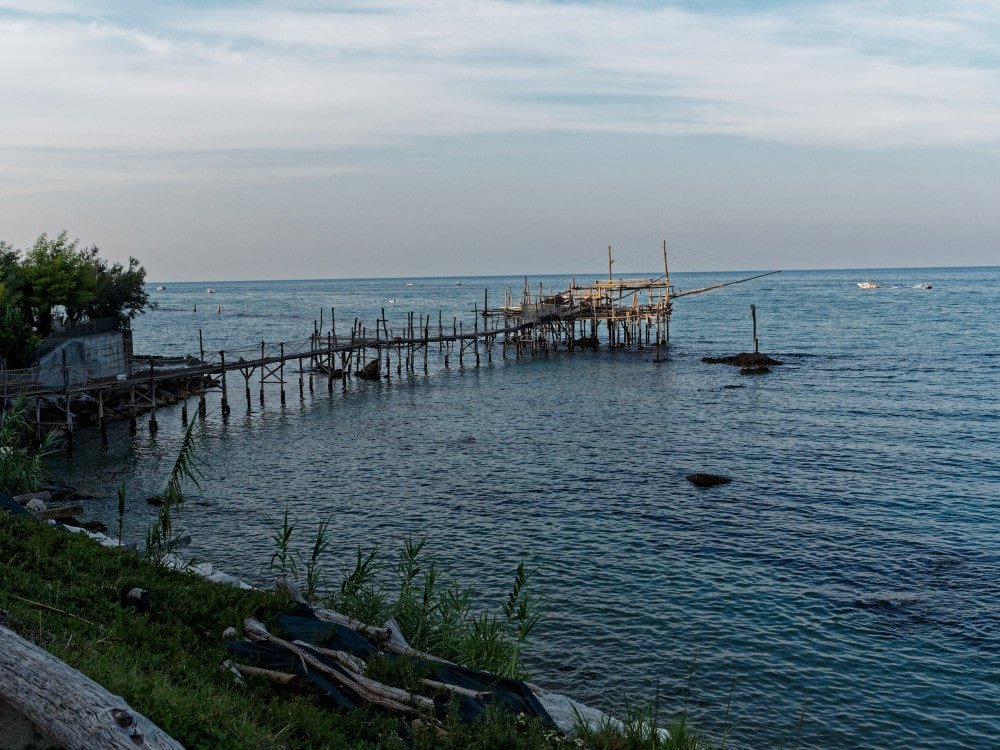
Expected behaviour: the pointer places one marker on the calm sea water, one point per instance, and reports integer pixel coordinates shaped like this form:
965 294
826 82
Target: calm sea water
849 575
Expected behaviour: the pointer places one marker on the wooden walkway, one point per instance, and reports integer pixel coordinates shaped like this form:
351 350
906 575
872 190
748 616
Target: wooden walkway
610 313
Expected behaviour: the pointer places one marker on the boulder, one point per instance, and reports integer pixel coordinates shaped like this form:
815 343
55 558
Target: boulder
744 359
707 480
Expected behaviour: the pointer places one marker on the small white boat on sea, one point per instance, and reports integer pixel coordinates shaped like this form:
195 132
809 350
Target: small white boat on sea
209 290
392 300
925 285
868 284
409 283
161 289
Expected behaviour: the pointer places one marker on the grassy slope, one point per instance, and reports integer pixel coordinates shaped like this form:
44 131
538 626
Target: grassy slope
165 662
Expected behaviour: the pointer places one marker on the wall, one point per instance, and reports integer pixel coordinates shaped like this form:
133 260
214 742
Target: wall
101 355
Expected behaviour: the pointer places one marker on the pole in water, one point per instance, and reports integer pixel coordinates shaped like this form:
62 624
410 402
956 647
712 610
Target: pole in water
753 314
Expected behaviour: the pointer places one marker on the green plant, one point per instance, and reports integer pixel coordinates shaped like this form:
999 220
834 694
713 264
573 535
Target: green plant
21 469
319 548
283 558
360 594
159 535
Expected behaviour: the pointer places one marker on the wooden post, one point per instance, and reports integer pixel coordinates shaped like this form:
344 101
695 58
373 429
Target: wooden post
262 371
756 343
153 426
225 395
329 361
475 332
302 389
68 428
246 372
101 417
201 346
281 372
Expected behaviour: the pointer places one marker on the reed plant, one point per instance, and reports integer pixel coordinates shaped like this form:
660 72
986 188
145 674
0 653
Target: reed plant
22 469
160 538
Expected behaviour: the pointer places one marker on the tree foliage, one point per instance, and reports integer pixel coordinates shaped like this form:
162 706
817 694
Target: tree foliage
58 281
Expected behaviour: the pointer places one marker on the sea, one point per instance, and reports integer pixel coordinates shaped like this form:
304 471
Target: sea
843 591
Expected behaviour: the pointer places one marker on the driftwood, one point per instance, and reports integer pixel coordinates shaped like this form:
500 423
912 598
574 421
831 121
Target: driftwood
73 710
59 511
391 698
283 679
387 637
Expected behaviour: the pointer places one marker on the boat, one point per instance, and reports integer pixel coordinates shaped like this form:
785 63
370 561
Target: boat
209 290
868 284
161 289
409 283
925 285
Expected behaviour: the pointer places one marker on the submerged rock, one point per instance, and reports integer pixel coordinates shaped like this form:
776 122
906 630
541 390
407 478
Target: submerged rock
759 370
707 480
744 359
888 601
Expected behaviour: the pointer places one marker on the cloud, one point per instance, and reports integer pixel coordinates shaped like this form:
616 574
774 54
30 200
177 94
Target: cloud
289 77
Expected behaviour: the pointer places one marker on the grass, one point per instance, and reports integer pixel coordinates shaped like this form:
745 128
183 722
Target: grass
63 591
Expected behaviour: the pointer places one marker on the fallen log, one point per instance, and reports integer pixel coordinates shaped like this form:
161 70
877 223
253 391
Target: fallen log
74 711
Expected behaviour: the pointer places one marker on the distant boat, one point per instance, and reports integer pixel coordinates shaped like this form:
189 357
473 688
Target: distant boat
409 283
925 285
392 299
209 290
868 284
161 289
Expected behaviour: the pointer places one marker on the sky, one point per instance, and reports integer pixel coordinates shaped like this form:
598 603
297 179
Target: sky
238 140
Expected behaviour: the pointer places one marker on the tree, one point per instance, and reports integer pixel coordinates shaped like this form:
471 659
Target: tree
55 273
57 276
16 338
119 292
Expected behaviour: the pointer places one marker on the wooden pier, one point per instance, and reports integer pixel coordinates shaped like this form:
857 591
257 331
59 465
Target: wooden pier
613 313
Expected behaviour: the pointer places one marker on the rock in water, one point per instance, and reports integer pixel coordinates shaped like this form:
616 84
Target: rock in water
707 480
760 370
370 371
745 359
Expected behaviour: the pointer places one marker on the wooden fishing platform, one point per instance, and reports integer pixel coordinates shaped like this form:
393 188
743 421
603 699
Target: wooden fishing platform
614 313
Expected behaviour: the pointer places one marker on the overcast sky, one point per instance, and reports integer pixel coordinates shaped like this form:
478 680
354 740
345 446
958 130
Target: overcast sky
236 140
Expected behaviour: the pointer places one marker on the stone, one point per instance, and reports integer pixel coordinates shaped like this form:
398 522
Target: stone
744 359
707 480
